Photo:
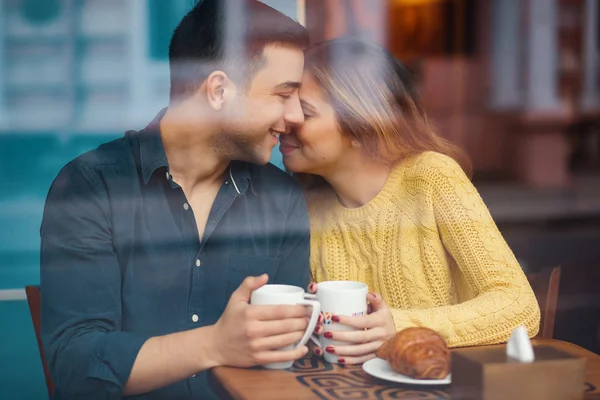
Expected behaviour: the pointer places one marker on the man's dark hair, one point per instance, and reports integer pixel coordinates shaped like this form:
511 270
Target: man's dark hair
228 35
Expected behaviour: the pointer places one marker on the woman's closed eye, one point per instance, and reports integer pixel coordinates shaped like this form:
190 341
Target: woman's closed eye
307 109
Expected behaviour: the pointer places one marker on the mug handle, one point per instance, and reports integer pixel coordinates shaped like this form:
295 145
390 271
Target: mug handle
314 338
314 317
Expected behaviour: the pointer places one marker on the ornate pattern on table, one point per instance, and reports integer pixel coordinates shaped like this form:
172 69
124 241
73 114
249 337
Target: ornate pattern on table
310 364
332 382
350 382
589 388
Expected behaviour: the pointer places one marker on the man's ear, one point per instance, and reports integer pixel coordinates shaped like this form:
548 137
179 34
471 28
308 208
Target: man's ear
219 89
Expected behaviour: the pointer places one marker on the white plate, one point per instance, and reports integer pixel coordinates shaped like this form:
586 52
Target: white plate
381 369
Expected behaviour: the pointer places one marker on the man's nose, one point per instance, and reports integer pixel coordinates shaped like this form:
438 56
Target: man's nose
293 114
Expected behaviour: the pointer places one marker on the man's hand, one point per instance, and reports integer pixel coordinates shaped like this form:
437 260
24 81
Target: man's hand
247 335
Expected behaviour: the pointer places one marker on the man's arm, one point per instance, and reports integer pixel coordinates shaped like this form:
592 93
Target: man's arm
88 353
81 289
294 266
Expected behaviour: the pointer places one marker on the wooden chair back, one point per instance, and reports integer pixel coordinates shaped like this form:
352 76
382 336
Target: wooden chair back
34 298
545 285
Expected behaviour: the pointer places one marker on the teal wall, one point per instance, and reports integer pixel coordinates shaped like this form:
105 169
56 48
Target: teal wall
21 374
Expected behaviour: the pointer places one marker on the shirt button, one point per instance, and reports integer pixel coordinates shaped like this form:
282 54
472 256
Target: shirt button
227 182
195 318
168 175
193 376
186 206
197 262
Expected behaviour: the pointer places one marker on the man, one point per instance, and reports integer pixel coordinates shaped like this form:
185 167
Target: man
146 239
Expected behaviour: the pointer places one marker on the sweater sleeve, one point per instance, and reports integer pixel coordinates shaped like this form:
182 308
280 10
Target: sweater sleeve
503 298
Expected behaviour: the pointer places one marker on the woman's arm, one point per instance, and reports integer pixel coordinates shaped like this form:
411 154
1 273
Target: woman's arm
503 298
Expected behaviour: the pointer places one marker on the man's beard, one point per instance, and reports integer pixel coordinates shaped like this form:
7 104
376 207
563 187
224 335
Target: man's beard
240 146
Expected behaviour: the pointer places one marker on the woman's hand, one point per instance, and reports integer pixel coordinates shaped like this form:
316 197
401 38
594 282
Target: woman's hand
371 331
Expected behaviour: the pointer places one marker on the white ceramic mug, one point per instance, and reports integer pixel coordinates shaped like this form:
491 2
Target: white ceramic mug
287 294
339 298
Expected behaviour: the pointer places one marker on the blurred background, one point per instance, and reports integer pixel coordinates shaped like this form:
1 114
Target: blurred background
514 82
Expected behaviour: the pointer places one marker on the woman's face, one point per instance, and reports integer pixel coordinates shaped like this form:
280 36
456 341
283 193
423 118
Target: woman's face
317 146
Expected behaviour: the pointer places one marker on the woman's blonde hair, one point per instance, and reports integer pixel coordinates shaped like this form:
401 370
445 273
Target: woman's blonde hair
376 101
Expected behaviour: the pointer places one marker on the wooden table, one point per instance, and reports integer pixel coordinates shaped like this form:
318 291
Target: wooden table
312 378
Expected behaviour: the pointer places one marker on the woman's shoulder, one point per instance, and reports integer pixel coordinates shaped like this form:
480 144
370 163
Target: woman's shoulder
430 171
430 165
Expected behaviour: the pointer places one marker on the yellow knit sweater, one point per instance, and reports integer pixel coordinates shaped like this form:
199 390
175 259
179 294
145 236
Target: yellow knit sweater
428 244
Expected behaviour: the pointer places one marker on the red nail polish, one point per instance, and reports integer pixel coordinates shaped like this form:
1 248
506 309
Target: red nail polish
335 318
330 349
341 360
328 335
318 352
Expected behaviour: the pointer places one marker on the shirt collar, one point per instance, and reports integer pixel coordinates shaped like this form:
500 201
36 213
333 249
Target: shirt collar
239 175
153 157
152 151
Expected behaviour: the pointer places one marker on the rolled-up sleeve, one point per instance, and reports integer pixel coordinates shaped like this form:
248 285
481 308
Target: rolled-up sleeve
88 353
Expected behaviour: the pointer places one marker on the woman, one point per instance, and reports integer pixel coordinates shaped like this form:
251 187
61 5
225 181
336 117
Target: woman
391 205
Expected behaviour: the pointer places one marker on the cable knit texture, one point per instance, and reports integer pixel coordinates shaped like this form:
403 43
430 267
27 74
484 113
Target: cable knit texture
428 244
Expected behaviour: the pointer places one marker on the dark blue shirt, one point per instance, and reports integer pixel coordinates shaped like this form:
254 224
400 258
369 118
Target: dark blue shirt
121 260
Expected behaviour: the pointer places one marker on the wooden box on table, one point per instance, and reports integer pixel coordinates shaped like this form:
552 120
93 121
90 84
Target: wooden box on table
489 374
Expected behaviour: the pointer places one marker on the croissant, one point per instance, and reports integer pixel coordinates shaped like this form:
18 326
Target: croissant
419 353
